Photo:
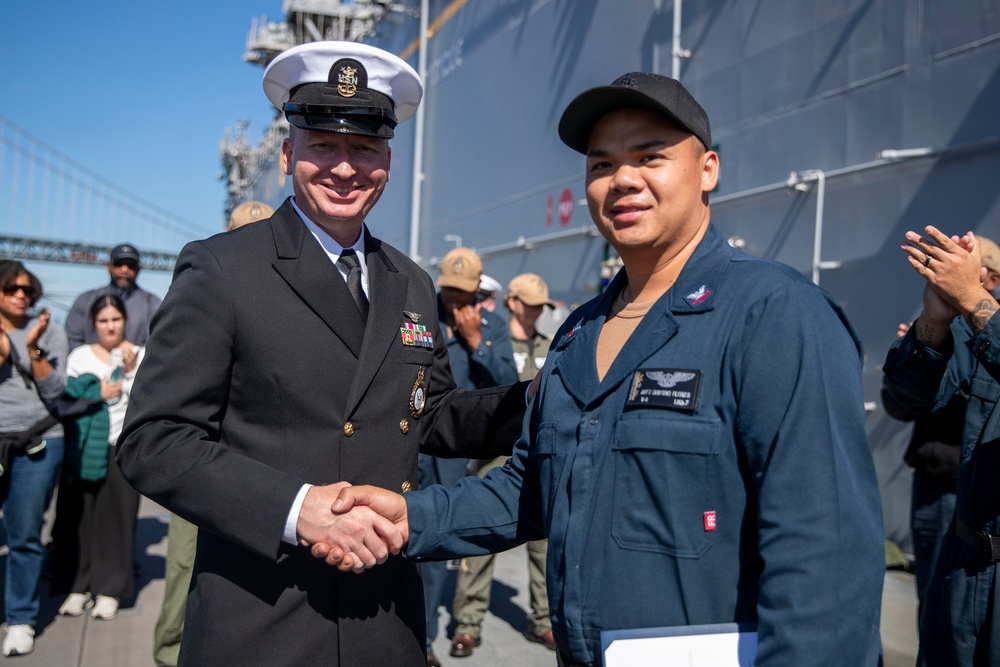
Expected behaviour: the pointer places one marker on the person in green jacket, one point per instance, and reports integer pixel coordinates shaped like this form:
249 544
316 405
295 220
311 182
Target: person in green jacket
97 507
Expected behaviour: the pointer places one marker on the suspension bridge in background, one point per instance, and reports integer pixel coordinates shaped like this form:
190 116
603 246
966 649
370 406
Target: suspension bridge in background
46 197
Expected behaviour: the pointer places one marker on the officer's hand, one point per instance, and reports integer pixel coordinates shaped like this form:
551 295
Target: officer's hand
363 533
390 506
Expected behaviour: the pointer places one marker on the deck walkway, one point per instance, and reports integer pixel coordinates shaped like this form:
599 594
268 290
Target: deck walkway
127 640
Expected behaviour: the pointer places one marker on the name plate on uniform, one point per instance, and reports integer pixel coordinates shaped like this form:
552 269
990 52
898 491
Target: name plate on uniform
668 388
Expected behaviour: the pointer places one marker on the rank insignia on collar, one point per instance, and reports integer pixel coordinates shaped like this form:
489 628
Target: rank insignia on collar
418 396
698 296
412 315
416 335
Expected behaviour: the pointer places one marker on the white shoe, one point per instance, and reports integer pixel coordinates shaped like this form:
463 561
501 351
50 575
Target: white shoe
105 608
20 640
74 604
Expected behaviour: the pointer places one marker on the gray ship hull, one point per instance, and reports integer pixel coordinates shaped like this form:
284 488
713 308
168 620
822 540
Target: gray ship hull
839 126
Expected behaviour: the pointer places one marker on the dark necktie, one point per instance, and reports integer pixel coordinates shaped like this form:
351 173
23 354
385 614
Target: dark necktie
349 261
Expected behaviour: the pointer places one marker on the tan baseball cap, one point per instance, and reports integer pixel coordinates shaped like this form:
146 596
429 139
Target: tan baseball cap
248 212
461 269
530 289
990 254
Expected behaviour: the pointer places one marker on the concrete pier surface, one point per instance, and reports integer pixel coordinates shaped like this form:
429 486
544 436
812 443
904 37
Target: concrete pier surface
127 640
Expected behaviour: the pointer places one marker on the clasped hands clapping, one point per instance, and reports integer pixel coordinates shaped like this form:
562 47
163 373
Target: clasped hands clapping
352 528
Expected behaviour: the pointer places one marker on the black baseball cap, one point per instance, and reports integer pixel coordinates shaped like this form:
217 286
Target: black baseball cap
635 90
124 251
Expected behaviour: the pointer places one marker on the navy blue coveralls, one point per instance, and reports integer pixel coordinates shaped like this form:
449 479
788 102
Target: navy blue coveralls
754 500
958 625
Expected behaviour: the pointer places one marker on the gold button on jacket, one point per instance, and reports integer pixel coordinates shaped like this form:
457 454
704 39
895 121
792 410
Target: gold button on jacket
348 429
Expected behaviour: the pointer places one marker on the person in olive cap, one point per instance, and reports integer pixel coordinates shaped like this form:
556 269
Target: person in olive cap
248 212
527 295
123 269
294 353
481 356
696 453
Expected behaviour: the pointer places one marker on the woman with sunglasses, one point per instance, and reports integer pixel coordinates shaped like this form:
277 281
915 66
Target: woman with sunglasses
97 508
32 378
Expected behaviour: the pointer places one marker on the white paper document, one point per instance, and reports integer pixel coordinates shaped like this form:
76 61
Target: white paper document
723 645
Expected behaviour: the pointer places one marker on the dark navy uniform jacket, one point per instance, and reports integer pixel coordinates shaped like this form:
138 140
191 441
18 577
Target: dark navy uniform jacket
491 364
959 624
754 501
260 376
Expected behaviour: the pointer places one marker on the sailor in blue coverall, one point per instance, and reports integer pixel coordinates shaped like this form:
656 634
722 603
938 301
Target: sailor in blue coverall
485 361
940 356
712 469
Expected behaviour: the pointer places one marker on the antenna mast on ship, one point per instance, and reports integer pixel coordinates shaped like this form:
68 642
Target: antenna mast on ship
305 21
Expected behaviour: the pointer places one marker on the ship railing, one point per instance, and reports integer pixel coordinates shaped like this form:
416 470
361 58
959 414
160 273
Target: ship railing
806 181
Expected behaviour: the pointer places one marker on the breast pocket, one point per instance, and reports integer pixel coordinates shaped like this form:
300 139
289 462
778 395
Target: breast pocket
664 466
987 391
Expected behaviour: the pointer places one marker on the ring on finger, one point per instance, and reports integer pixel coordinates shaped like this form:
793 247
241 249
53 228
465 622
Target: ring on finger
927 260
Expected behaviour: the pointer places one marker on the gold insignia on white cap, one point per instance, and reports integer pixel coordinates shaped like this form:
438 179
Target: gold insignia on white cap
347 81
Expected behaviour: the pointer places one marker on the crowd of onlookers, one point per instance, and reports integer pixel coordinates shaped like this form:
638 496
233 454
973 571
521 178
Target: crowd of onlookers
64 393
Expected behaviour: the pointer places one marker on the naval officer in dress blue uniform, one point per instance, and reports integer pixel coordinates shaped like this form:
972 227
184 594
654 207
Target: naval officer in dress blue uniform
696 453
291 354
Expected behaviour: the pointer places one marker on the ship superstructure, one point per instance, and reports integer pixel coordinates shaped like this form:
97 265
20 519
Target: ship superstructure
839 125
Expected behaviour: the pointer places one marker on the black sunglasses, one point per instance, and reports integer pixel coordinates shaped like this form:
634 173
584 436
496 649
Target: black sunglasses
11 290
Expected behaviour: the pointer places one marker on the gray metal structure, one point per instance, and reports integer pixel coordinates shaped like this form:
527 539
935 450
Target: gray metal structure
840 125
67 252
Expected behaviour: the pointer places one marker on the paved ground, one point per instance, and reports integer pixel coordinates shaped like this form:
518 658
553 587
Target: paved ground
127 640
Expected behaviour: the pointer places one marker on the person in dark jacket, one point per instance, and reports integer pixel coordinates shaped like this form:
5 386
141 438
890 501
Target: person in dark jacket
123 265
294 353
933 452
951 349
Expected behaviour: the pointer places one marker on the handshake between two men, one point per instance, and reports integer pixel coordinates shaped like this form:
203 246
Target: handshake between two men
353 527
356 527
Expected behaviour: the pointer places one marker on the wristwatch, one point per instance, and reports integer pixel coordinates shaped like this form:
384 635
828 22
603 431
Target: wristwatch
36 354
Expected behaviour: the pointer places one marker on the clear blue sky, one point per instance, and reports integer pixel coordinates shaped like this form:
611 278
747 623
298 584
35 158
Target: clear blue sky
138 92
